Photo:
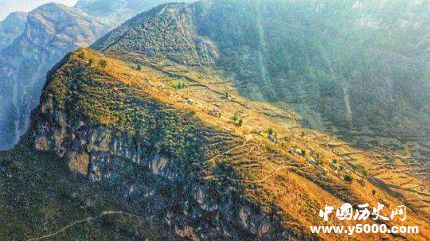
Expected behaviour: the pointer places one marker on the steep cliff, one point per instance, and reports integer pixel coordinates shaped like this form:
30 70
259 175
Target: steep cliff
50 32
158 135
165 161
32 46
11 27
112 129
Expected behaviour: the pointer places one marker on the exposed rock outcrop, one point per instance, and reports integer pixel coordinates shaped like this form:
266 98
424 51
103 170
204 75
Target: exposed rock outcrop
171 182
50 32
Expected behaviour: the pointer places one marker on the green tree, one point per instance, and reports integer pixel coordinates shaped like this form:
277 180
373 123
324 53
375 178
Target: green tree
103 63
349 178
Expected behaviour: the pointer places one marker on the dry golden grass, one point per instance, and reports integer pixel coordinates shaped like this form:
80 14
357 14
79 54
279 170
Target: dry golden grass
270 173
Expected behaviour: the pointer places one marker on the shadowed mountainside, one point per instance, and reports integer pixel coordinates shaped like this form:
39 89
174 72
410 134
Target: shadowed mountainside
183 126
119 11
342 65
165 157
11 27
32 46
50 32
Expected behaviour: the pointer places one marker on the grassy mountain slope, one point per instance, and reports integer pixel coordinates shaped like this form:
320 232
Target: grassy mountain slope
176 131
339 64
167 126
345 68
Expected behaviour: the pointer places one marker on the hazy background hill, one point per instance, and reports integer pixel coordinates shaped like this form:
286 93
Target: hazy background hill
348 65
29 47
148 139
11 27
50 32
342 65
120 10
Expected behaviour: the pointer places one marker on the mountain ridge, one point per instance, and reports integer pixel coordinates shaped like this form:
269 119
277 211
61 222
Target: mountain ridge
325 89
101 133
153 133
120 10
11 27
51 31
60 39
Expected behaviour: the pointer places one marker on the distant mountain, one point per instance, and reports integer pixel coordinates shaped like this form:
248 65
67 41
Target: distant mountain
37 43
183 125
50 32
157 151
119 11
342 65
11 27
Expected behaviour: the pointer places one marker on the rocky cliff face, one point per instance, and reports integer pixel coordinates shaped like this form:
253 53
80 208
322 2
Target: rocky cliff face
155 157
11 27
50 32
32 46
336 76
143 158
148 141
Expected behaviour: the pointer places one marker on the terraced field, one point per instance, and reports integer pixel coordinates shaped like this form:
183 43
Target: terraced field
281 165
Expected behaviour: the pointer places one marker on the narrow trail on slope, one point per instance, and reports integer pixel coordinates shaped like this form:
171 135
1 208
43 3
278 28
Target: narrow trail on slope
274 173
88 219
